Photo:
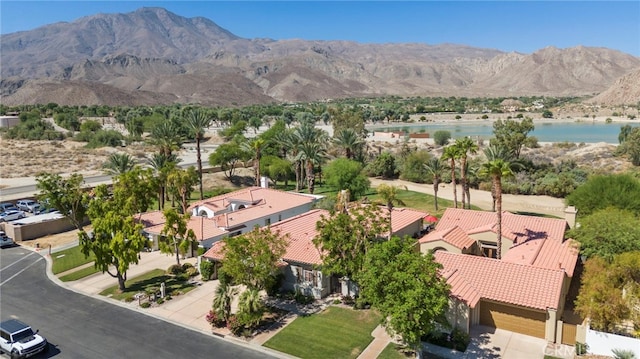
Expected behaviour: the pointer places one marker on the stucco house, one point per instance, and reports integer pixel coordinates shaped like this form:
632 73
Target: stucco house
233 213
525 291
302 262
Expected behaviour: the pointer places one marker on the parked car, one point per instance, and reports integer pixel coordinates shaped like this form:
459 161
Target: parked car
28 205
6 206
5 241
44 210
11 215
19 340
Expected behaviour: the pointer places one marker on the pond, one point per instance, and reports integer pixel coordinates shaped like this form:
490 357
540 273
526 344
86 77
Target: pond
588 132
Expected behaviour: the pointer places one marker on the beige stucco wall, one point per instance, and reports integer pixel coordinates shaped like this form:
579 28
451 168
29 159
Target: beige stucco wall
426 247
458 315
551 325
29 231
410 229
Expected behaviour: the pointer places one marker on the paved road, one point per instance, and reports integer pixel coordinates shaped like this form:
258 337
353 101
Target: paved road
78 326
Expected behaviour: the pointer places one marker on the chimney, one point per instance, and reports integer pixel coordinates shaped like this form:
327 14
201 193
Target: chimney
570 216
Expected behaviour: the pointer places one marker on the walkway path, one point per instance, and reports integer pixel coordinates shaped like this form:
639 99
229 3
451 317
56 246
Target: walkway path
380 341
510 202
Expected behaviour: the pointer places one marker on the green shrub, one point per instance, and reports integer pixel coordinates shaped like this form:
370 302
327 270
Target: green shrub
191 271
175 269
441 137
145 305
90 126
105 138
608 120
200 251
206 269
623 354
581 348
186 266
303 299
160 300
484 117
273 284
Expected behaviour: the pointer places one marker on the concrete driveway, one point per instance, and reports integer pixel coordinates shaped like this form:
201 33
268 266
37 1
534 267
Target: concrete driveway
492 343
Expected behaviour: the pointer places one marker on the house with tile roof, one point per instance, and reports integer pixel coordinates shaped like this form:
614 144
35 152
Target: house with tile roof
524 291
302 260
233 213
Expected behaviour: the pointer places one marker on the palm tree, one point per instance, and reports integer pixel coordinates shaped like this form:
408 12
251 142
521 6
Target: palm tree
349 140
119 163
162 164
198 121
389 195
493 153
167 137
250 303
222 300
311 154
451 153
255 147
436 168
497 169
465 145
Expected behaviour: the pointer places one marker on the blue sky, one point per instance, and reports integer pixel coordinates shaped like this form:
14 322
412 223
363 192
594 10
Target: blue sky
523 26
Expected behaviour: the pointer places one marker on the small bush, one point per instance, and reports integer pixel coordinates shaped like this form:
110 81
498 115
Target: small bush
191 272
145 305
441 137
581 348
215 320
608 120
186 266
303 299
160 300
347 300
484 117
623 354
175 269
206 269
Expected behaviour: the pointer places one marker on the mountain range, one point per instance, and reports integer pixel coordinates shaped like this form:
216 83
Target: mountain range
152 56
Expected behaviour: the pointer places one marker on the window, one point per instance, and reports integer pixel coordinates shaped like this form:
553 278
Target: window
267 221
304 276
489 249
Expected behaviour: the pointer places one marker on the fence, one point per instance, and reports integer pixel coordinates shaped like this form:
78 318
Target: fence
602 343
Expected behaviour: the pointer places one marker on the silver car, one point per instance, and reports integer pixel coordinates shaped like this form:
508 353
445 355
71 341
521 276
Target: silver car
11 215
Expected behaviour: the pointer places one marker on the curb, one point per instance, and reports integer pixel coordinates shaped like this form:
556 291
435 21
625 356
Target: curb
58 282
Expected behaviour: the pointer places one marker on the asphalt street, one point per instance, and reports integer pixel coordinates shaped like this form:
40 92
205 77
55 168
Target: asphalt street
79 326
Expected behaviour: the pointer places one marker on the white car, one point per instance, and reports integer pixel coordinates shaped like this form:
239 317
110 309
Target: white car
11 215
19 341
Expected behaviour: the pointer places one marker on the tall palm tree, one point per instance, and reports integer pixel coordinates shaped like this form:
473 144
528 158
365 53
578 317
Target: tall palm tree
465 146
255 147
389 196
167 137
119 163
198 121
348 140
451 154
436 167
497 169
162 165
311 154
493 153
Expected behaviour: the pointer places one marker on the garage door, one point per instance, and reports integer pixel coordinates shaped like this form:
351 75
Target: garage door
519 320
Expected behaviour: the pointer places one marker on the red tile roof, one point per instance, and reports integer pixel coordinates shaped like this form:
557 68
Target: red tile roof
545 253
453 235
518 228
264 202
149 219
522 285
461 288
403 217
203 228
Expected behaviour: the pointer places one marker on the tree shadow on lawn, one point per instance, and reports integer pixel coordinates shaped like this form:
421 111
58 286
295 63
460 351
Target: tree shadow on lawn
173 284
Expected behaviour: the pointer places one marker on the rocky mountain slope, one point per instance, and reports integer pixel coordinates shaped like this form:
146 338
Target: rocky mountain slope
152 56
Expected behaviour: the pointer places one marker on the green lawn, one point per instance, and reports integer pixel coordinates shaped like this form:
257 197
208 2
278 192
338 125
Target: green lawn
79 274
147 280
69 259
333 333
394 351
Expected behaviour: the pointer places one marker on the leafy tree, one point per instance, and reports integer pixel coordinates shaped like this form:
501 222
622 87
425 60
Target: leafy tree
406 287
390 197
601 297
441 138
252 258
630 144
497 169
608 232
64 194
117 239
119 163
347 174
90 126
276 168
620 191
436 168
198 121
512 134
227 156
237 129
384 166
346 236
412 168
182 181
175 232
67 121
547 114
